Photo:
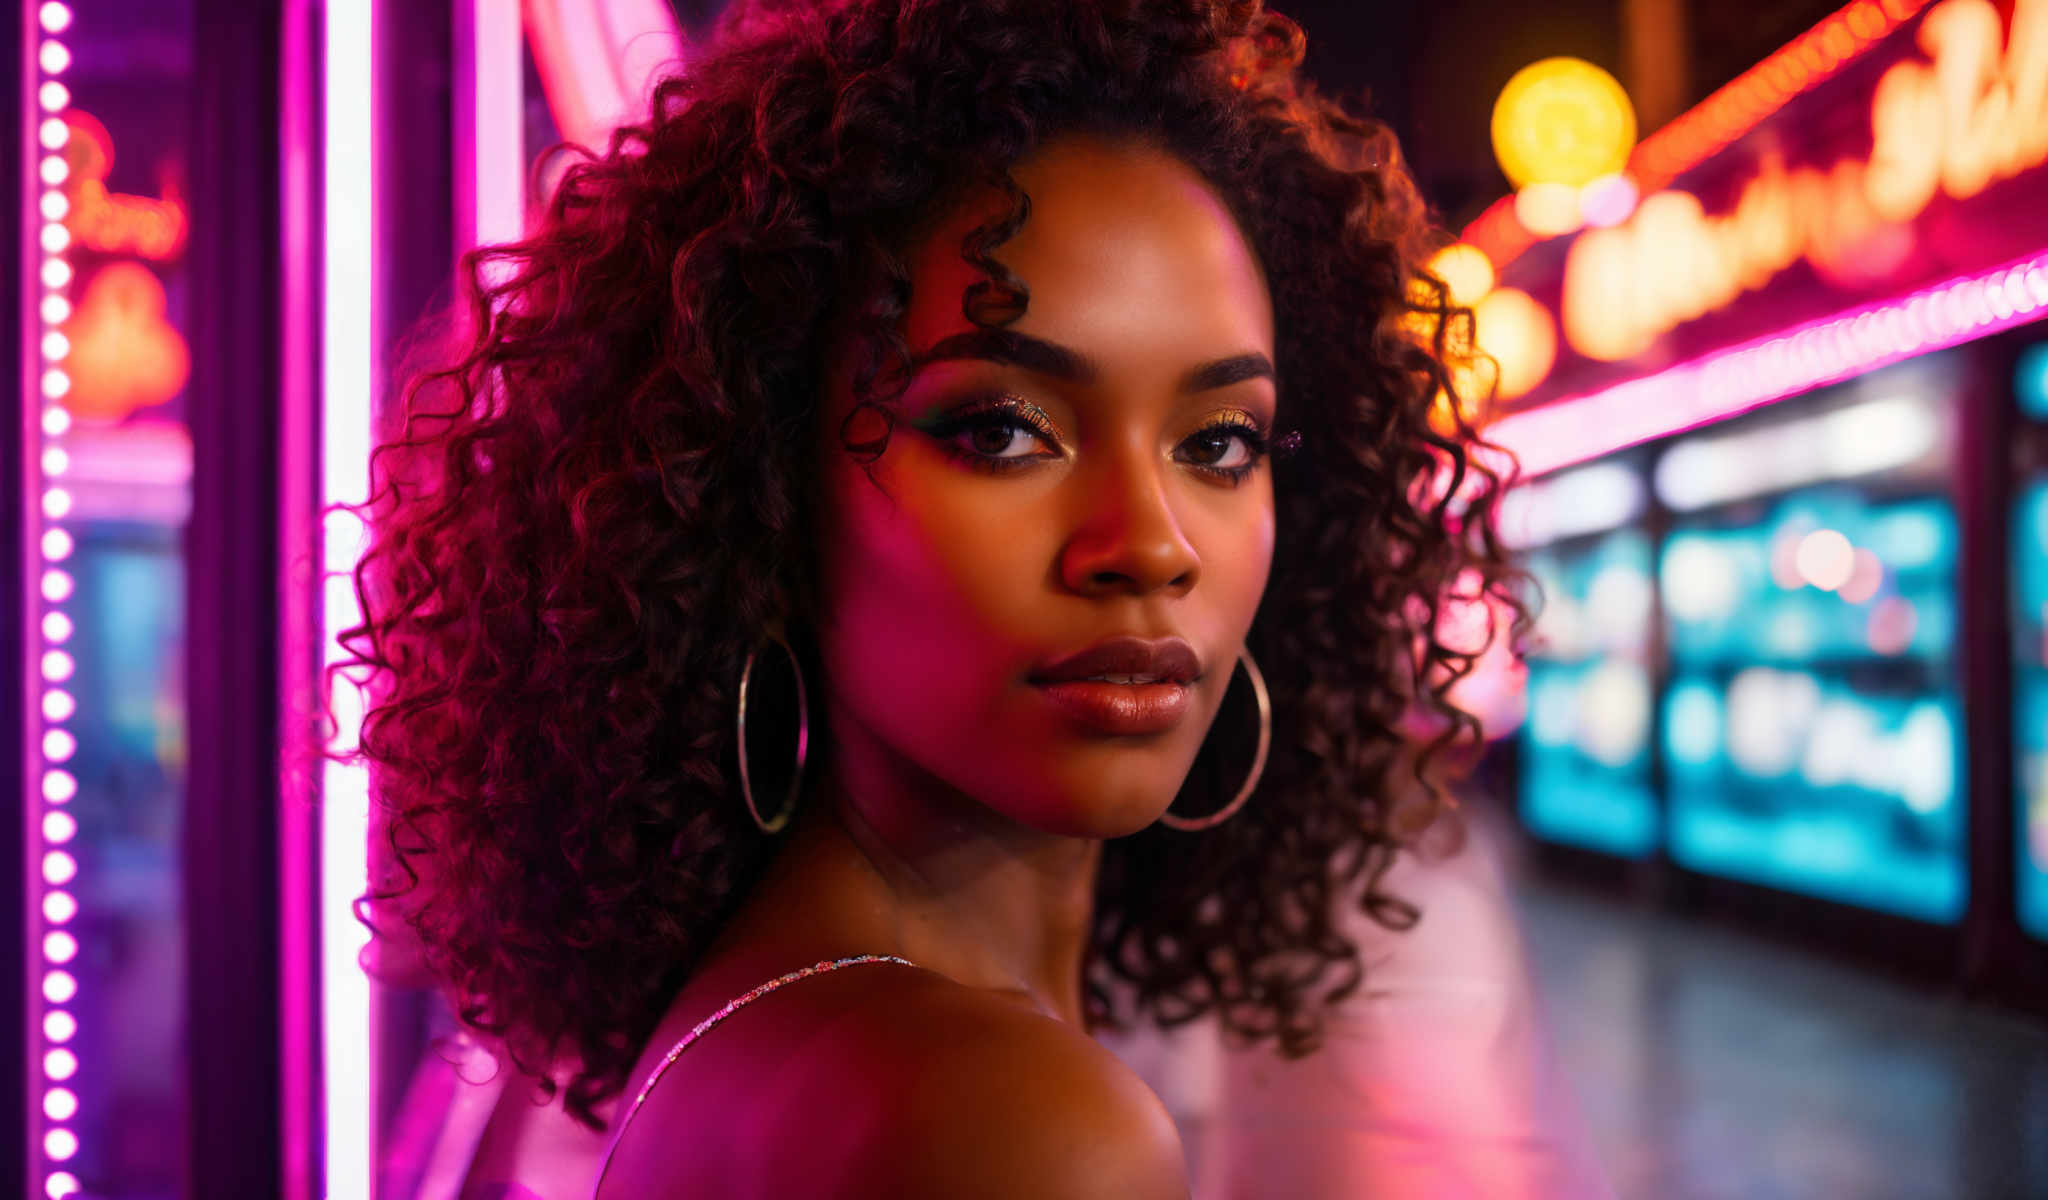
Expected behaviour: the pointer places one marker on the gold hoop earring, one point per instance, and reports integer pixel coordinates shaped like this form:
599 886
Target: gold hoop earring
803 739
1244 793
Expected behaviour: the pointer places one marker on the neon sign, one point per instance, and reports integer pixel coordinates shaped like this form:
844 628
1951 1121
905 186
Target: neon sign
111 222
1975 112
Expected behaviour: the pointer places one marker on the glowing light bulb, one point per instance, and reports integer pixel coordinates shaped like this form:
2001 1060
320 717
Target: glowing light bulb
61 1185
1608 201
53 96
59 907
1548 209
56 460
59 827
58 705
57 666
55 16
57 585
56 383
55 170
57 544
56 273
58 988
59 868
53 133
56 627
54 58
60 1064
55 239
1562 120
58 788
55 345
59 1026
59 947
1465 270
56 309
56 504
56 420
1517 331
59 745
59 1145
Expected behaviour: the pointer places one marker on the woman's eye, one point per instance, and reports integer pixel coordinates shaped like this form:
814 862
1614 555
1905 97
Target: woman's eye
1224 448
1002 437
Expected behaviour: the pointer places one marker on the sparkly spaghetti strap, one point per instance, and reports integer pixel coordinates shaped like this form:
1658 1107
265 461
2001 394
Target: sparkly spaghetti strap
707 1025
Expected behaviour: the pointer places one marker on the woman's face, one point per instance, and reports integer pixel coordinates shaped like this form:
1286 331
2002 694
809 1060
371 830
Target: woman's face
1035 597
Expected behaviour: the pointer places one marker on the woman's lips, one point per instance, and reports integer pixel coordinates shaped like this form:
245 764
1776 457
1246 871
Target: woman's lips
1121 709
1125 685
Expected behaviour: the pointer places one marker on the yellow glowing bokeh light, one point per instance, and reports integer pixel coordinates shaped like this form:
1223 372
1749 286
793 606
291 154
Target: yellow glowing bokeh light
1562 120
1465 269
1518 333
1548 209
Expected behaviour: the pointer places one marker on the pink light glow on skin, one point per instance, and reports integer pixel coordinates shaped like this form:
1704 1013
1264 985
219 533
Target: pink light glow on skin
56 627
59 947
60 1104
58 705
58 988
59 745
59 908
60 1065
59 827
1761 372
59 1026
57 544
59 786
59 1145
59 867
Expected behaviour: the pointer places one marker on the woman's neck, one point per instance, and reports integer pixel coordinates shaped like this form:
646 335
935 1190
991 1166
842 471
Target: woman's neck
886 859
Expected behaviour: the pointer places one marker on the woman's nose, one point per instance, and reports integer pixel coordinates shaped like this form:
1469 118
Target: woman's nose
1128 538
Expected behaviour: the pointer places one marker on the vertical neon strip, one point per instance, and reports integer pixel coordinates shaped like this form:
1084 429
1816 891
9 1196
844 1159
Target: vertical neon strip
490 141
345 397
53 1062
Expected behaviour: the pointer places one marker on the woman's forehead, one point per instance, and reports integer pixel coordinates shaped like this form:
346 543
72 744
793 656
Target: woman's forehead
1127 254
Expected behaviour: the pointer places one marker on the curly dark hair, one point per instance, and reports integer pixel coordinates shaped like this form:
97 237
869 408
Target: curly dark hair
597 503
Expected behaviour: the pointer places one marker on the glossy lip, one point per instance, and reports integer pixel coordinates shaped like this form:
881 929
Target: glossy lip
1124 686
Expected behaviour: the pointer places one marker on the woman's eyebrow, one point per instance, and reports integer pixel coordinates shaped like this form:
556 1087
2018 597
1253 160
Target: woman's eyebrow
1061 362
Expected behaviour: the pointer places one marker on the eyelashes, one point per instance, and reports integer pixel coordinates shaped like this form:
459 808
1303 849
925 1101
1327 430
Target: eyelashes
994 433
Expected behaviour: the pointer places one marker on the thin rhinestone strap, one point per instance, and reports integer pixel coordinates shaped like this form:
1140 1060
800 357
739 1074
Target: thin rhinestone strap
711 1022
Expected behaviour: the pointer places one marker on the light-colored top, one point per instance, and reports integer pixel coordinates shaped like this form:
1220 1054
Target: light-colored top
708 1024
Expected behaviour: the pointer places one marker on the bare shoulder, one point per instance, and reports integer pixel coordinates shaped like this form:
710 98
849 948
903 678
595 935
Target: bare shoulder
899 1083
1007 1102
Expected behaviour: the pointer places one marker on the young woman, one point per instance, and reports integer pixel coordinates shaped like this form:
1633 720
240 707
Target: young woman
1017 404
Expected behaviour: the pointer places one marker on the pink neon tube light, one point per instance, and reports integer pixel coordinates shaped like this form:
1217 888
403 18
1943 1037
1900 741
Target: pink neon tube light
1769 369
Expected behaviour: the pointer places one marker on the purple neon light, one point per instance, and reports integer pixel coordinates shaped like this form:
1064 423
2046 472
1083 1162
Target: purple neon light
46 347
1769 369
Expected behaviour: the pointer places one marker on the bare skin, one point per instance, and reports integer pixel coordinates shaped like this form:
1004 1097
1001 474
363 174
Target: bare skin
960 821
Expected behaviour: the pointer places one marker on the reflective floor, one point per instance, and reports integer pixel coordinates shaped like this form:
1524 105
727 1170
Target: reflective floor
1712 1064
